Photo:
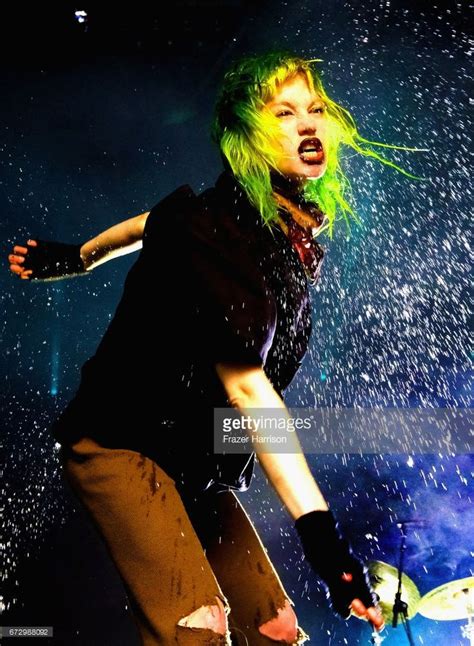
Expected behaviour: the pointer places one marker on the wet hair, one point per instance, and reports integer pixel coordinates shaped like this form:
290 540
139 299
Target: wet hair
248 136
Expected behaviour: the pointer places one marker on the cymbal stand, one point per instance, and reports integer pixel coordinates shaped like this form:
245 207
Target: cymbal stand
400 608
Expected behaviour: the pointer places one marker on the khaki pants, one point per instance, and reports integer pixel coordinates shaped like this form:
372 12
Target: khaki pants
176 553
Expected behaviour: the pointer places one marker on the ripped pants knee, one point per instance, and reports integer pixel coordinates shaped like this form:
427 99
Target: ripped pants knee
284 627
210 617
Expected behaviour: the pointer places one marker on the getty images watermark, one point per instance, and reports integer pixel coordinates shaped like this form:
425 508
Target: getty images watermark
344 430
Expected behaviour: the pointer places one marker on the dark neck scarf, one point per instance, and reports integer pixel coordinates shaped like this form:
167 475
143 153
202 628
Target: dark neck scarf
310 252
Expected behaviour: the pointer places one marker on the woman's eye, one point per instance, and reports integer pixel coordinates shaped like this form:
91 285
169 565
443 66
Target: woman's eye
283 113
319 109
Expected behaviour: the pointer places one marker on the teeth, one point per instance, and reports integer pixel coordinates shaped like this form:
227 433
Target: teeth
310 146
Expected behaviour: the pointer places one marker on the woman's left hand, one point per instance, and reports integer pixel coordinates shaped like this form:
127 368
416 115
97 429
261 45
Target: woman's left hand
343 574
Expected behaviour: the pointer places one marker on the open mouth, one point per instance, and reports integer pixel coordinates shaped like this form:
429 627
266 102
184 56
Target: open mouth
311 151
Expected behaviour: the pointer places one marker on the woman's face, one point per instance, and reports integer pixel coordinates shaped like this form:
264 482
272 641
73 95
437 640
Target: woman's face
303 121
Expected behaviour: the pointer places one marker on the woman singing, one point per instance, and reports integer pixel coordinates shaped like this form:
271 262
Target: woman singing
215 313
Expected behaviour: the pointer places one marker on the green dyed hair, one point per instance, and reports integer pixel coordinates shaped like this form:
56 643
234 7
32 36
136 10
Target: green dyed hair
248 136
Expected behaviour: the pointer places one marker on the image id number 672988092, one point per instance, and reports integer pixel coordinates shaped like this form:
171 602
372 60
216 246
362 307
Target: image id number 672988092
26 631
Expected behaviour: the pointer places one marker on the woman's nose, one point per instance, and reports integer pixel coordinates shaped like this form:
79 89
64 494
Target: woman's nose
306 125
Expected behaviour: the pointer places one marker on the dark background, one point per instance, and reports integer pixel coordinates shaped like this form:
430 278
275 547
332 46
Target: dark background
100 120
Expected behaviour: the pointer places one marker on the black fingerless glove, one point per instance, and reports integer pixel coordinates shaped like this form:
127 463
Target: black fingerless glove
54 260
333 561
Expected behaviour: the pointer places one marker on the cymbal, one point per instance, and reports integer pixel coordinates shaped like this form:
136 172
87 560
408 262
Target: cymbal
384 580
450 601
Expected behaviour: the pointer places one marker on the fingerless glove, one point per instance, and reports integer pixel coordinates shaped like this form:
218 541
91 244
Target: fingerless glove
54 260
331 558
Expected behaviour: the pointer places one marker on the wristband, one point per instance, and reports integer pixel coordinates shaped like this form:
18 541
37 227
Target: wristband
333 561
54 260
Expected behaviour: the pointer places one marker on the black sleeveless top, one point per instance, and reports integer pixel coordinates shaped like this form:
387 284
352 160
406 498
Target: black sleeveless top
211 284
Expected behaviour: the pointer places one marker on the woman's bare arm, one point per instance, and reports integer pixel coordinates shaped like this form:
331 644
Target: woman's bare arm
118 240
248 388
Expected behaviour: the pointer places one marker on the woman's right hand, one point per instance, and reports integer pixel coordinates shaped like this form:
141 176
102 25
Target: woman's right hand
17 260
